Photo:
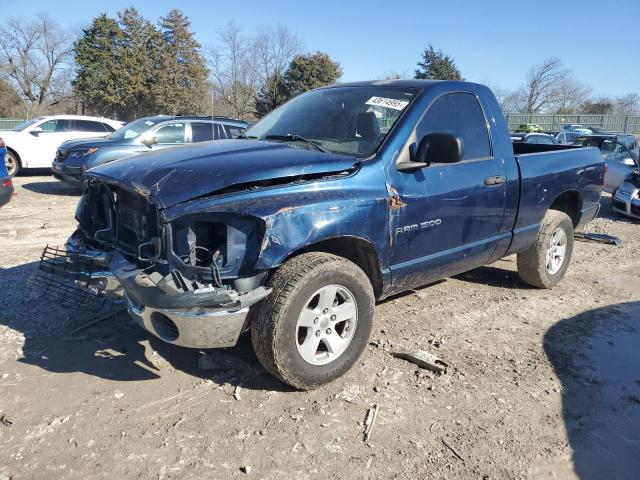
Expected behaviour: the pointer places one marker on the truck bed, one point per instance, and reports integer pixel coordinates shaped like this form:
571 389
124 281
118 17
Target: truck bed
549 172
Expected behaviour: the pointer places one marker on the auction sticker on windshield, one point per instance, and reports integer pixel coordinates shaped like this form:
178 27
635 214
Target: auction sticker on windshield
387 102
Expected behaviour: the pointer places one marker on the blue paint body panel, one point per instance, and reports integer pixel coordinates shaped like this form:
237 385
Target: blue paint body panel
422 225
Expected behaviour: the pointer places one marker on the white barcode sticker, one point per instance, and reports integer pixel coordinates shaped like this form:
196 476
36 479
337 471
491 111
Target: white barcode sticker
387 103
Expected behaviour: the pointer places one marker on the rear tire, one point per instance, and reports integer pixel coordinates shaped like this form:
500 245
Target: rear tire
545 263
12 163
316 322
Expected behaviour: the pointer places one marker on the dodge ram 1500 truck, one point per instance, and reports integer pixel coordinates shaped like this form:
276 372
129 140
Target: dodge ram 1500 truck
340 197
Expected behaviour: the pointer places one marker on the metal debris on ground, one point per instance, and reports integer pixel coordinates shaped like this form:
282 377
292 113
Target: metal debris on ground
455 452
97 320
597 238
5 421
236 392
246 469
372 414
424 360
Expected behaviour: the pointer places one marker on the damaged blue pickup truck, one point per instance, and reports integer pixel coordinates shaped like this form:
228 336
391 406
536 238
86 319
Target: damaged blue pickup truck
339 198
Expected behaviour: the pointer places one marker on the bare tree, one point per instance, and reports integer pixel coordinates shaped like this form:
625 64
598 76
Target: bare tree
232 63
571 95
274 48
35 56
628 104
541 89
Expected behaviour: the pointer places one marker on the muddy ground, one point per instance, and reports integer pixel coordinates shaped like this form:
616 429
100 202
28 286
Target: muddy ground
541 384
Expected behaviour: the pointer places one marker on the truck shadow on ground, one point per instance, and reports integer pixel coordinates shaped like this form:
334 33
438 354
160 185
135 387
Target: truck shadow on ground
53 188
114 349
596 357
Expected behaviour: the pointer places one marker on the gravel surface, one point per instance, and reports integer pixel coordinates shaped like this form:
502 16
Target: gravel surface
540 384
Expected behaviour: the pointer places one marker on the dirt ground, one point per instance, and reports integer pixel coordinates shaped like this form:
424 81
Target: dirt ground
541 384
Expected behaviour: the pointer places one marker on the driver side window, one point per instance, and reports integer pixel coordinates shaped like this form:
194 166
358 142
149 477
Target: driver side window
458 114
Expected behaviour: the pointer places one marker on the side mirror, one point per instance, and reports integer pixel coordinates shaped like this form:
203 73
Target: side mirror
629 162
439 148
36 131
434 148
153 140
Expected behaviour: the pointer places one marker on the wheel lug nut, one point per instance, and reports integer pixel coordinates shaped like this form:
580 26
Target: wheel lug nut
347 328
315 320
325 311
328 331
317 333
333 318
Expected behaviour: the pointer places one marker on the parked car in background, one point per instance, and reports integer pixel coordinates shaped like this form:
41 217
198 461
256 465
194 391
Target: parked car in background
529 127
33 143
567 138
626 198
599 130
620 160
6 185
295 231
143 135
539 138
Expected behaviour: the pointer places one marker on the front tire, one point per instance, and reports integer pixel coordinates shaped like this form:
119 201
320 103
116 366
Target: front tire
316 322
545 263
12 163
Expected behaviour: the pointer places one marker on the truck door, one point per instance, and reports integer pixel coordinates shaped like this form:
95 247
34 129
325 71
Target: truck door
447 218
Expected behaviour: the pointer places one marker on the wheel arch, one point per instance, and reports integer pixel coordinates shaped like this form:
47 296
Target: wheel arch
353 248
569 202
17 155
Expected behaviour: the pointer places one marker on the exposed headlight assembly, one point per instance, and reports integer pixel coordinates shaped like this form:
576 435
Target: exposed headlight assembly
84 152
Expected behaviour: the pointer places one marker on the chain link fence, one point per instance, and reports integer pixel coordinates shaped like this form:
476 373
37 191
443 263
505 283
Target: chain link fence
612 123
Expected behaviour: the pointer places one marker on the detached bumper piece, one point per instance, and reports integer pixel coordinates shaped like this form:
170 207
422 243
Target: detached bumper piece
201 316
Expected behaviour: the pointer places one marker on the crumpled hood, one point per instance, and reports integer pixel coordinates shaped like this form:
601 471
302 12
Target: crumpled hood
82 143
176 175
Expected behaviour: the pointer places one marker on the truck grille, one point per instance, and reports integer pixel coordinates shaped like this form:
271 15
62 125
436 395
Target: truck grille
635 209
122 219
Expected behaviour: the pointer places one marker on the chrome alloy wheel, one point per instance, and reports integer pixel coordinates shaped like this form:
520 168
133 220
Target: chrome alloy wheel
326 325
556 251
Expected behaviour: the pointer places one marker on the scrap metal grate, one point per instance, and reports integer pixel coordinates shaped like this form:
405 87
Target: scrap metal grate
58 280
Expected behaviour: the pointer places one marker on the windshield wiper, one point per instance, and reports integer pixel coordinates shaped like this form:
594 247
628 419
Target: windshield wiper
293 137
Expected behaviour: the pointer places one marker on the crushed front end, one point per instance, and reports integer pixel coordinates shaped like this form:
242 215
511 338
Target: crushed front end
190 281
626 198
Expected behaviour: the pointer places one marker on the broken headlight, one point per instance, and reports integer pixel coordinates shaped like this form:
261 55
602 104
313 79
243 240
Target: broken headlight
208 246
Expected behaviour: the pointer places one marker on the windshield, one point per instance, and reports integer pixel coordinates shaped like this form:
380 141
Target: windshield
346 120
24 125
134 129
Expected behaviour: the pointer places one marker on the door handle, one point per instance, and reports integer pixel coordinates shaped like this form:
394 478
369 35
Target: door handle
494 180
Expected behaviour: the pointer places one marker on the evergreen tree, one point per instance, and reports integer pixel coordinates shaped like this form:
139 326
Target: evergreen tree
436 65
97 69
306 72
11 105
137 54
182 79
271 95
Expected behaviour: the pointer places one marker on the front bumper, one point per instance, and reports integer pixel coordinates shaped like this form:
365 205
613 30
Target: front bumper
626 203
208 317
67 174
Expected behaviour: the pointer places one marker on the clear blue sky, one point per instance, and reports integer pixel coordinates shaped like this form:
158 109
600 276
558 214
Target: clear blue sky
491 41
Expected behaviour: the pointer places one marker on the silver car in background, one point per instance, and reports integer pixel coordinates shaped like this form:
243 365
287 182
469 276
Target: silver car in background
620 156
626 199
